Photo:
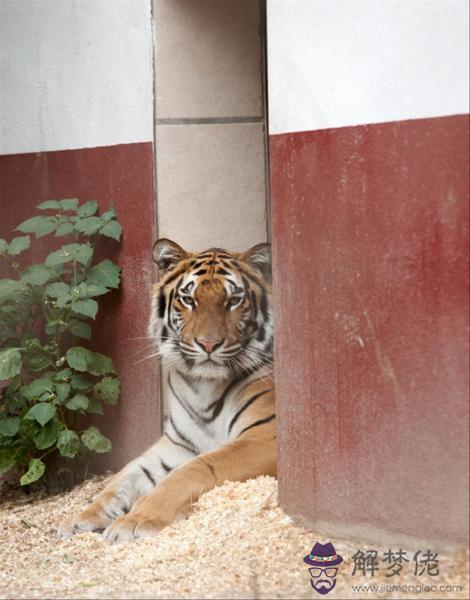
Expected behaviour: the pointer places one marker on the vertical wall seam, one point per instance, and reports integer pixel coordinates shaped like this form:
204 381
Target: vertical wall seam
154 110
155 180
264 91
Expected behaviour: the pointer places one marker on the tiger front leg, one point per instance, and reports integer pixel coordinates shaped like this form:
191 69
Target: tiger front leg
136 479
175 496
116 499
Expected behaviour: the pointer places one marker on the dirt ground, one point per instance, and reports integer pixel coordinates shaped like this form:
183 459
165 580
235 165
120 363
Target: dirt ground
237 544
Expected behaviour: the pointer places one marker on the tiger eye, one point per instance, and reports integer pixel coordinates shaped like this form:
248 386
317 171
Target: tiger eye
187 301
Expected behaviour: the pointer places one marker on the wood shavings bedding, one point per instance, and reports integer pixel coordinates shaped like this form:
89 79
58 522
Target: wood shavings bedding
237 544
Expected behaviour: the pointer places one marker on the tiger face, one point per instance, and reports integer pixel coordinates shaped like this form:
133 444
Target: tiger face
211 311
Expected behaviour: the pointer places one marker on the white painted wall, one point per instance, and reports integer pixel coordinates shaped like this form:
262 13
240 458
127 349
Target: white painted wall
74 74
333 63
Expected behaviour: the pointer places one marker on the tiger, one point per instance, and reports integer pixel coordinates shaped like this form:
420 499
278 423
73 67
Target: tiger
212 322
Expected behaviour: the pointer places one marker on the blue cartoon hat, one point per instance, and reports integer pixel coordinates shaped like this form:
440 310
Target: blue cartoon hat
323 555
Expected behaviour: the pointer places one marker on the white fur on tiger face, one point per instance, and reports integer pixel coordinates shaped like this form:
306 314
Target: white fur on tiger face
212 323
213 302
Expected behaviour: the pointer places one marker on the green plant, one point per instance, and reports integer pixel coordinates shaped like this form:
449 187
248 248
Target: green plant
49 379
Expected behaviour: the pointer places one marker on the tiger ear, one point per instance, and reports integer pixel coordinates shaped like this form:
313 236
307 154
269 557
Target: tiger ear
259 257
167 254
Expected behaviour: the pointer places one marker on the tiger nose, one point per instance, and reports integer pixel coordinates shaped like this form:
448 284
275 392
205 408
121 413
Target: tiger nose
209 345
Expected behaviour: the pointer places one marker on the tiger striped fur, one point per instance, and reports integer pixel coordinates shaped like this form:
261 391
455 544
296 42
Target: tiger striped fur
212 322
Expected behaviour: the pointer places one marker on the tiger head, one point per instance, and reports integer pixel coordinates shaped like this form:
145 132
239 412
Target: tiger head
211 312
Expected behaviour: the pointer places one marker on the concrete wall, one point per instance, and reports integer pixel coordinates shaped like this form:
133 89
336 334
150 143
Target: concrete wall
210 127
369 198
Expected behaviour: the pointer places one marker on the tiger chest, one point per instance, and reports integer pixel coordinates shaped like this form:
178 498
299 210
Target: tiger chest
200 411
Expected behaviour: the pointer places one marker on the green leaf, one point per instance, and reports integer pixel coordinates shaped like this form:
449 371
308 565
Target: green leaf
14 403
7 460
63 376
81 330
89 225
51 326
108 215
88 209
78 252
64 300
88 290
14 385
68 443
54 290
113 230
81 359
37 275
10 363
48 204
93 439
38 386
7 309
78 402
42 413
18 244
95 407
36 470
28 340
107 390
106 274
79 382
3 247
9 426
8 288
62 391
45 437
58 257
64 229
101 365
82 253
35 359
77 358
89 308
39 225
7 441
69 204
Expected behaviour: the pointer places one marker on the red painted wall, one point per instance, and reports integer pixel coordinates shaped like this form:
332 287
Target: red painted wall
121 175
370 244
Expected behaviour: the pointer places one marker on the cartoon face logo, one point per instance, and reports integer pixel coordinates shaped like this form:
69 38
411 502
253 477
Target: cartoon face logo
322 562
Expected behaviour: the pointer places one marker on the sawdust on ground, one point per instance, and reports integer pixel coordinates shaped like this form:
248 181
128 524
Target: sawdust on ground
237 544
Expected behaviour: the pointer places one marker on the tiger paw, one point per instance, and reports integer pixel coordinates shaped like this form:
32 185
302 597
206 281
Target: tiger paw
80 522
130 527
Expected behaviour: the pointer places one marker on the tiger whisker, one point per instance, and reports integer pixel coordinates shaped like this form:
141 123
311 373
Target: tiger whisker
144 349
157 353
147 358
